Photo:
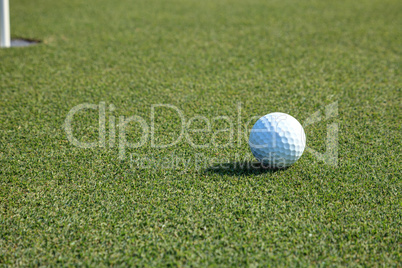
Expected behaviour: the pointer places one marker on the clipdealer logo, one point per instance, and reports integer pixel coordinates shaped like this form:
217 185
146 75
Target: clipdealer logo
148 130
108 136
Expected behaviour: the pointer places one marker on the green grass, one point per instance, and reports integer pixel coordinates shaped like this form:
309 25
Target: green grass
64 205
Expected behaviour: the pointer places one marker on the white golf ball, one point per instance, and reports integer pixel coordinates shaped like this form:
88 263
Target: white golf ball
277 140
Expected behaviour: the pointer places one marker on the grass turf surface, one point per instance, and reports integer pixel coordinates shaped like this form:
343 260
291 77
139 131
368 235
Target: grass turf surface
65 205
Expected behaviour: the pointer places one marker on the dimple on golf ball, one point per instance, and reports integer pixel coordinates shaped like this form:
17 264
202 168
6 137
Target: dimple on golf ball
277 140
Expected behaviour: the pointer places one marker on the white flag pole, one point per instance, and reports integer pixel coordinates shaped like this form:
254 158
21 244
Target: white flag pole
4 23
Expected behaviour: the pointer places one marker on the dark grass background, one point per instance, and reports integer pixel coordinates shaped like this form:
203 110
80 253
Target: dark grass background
62 205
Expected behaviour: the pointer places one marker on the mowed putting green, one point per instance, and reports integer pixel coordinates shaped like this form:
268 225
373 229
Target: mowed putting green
151 73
